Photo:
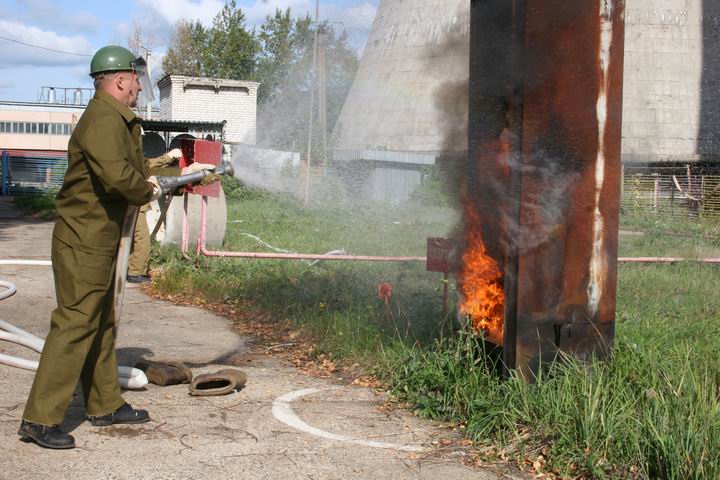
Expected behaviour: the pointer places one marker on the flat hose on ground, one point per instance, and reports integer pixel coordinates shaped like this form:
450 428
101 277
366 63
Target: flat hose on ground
129 378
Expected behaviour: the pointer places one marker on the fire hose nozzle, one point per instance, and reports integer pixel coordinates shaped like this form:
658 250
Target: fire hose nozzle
170 184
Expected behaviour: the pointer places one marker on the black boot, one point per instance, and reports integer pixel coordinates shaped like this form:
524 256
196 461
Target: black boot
124 414
48 437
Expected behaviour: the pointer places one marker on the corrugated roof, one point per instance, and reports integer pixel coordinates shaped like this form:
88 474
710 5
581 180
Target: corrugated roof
181 126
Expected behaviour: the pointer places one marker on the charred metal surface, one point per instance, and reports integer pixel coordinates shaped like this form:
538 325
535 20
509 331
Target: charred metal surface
544 168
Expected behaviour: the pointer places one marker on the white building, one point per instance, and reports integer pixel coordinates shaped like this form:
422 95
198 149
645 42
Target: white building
37 126
212 100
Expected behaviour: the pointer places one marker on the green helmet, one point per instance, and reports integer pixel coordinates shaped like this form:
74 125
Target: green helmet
112 58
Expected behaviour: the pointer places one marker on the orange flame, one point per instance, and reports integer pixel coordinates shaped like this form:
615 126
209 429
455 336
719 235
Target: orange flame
481 283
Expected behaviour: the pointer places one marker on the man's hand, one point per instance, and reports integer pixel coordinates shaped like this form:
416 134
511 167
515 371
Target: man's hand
175 153
211 178
157 192
197 167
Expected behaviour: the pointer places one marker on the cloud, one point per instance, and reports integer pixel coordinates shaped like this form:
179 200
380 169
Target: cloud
46 14
5 85
356 16
15 54
353 16
173 10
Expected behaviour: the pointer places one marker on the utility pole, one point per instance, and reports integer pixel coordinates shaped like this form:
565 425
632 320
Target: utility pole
312 103
148 106
322 98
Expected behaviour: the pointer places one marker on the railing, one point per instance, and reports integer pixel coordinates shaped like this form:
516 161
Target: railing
31 172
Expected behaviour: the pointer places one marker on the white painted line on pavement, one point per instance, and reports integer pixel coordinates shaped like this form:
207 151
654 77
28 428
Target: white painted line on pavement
283 411
40 263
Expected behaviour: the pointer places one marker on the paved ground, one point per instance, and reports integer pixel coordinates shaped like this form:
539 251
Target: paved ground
327 433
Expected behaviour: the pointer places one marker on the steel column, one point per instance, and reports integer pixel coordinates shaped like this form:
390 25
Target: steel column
543 171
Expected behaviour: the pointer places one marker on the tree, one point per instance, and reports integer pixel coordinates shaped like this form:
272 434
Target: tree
231 50
140 41
286 71
277 38
185 55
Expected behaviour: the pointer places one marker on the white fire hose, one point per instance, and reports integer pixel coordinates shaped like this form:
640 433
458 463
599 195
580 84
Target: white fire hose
129 378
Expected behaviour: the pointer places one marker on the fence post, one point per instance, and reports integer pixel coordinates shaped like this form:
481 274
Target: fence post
656 192
4 177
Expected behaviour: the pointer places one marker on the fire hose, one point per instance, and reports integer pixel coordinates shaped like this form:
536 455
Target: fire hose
129 378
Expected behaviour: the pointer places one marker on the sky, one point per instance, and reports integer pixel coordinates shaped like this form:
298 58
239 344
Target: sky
82 27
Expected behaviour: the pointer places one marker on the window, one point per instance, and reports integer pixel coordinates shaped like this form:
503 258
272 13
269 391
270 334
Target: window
2 127
66 128
33 127
45 128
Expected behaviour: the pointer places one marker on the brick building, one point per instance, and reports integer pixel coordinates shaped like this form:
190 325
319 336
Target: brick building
211 100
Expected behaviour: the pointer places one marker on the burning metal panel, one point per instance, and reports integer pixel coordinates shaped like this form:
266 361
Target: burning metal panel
542 188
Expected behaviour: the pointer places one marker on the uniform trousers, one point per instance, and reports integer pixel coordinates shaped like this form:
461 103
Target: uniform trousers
139 260
81 342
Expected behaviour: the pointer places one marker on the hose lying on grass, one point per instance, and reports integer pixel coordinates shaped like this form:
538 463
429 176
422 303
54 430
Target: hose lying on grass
280 250
129 378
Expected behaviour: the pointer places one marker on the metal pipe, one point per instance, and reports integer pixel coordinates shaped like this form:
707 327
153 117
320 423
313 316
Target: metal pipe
202 249
714 260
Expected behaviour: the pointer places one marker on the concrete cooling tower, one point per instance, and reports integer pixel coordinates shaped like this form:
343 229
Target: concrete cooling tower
409 91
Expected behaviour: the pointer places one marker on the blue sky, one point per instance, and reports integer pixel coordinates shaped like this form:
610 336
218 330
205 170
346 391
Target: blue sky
82 27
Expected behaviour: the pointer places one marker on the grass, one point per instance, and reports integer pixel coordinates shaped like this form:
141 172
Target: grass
651 412
337 303
42 205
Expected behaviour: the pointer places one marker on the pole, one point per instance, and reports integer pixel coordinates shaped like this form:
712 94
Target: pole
4 178
148 107
322 98
312 104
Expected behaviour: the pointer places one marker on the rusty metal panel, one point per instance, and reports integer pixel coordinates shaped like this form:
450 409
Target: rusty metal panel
543 178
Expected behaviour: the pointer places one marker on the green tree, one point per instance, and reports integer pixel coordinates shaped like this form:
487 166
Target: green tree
277 37
232 49
287 78
187 47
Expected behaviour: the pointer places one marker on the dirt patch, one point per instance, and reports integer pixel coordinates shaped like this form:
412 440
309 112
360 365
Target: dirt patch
125 431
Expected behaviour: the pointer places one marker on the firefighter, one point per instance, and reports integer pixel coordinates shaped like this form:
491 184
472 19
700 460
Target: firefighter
139 261
106 172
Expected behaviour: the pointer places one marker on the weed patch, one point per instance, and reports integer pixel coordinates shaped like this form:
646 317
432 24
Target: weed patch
651 412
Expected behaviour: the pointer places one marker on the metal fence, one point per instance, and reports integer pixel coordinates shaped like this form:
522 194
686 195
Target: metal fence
27 173
667 192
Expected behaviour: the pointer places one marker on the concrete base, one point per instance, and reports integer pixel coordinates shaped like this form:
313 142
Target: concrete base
171 232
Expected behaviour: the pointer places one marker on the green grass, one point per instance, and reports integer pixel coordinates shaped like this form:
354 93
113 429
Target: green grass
651 412
337 303
42 205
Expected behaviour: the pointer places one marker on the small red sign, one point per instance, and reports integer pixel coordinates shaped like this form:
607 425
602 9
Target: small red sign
439 255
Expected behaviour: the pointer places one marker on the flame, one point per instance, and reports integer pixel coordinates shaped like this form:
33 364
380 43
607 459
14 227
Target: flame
481 283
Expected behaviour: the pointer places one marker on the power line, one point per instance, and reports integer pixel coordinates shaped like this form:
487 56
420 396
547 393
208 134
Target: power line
45 48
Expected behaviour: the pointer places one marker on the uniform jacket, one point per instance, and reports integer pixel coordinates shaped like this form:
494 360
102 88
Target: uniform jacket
106 172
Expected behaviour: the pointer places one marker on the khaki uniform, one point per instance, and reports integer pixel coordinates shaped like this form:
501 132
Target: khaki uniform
140 254
106 171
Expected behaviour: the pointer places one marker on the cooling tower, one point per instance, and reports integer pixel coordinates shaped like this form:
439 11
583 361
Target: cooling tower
409 93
